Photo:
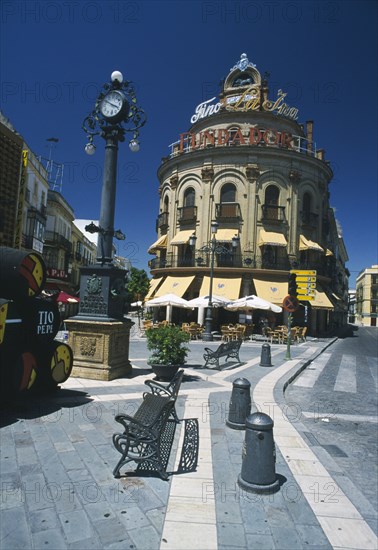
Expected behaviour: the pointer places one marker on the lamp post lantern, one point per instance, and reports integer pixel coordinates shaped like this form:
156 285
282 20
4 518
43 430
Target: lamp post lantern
115 113
213 247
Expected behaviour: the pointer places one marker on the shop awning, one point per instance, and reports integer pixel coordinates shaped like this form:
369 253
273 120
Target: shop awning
226 235
175 285
306 244
321 300
270 290
222 286
154 283
160 244
182 237
271 239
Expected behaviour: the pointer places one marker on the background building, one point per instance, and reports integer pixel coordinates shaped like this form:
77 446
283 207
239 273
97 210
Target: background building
247 163
367 296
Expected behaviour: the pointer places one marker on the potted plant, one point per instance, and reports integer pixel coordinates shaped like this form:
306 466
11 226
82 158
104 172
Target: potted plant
168 350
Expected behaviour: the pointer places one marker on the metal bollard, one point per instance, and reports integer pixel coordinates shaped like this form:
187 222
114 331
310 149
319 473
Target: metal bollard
265 359
240 404
258 473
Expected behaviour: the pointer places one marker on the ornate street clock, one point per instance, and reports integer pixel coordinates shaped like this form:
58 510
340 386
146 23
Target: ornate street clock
114 106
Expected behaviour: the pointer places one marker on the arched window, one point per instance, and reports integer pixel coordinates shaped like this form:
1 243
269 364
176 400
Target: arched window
189 211
166 205
228 193
308 215
189 197
306 203
228 208
272 198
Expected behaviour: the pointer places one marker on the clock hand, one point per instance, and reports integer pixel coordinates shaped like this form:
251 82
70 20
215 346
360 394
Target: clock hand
112 104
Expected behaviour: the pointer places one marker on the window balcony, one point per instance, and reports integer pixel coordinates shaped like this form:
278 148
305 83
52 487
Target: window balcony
187 214
53 238
309 219
228 211
273 213
162 221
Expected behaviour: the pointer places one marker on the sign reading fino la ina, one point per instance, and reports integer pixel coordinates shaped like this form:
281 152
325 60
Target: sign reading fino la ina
249 100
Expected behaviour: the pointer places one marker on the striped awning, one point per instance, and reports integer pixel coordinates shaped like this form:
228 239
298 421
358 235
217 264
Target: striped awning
175 285
226 287
272 239
154 284
182 237
226 235
160 244
272 291
306 244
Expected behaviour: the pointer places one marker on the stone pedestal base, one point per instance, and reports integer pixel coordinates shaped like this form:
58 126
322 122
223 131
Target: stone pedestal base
100 348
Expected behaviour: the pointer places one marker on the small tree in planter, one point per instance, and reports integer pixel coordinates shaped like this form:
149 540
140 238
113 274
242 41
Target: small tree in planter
168 350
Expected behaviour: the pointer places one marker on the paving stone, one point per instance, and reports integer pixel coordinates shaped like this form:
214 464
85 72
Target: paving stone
93 543
112 531
260 542
133 517
76 525
43 520
313 537
286 537
145 539
231 535
51 538
14 530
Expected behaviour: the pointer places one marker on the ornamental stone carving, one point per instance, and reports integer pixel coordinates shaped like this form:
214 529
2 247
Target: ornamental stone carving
207 173
88 346
174 181
252 172
294 176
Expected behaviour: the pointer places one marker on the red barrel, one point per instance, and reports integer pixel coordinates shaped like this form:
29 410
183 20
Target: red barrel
22 273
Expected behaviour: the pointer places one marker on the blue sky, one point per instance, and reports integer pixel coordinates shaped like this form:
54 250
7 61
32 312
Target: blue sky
55 56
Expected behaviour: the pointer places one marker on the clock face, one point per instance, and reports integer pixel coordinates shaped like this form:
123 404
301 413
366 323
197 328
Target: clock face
112 104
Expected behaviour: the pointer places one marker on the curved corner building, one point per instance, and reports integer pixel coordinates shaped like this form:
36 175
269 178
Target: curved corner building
248 164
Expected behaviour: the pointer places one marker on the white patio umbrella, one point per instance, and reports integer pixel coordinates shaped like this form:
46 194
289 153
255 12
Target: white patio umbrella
169 300
253 302
203 301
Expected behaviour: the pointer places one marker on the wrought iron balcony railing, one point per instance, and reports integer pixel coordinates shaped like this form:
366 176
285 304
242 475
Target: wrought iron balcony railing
162 221
273 213
310 219
227 210
187 214
51 237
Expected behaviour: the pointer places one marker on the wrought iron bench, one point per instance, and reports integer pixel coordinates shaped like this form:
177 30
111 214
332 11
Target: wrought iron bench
169 390
145 435
226 349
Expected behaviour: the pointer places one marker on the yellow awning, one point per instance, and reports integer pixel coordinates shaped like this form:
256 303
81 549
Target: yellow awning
271 291
226 235
182 237
321 300
154 283
222 286
272 239
175 285
306 244
159 244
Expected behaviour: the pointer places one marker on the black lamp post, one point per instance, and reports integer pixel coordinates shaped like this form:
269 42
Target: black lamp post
116 112
213 247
